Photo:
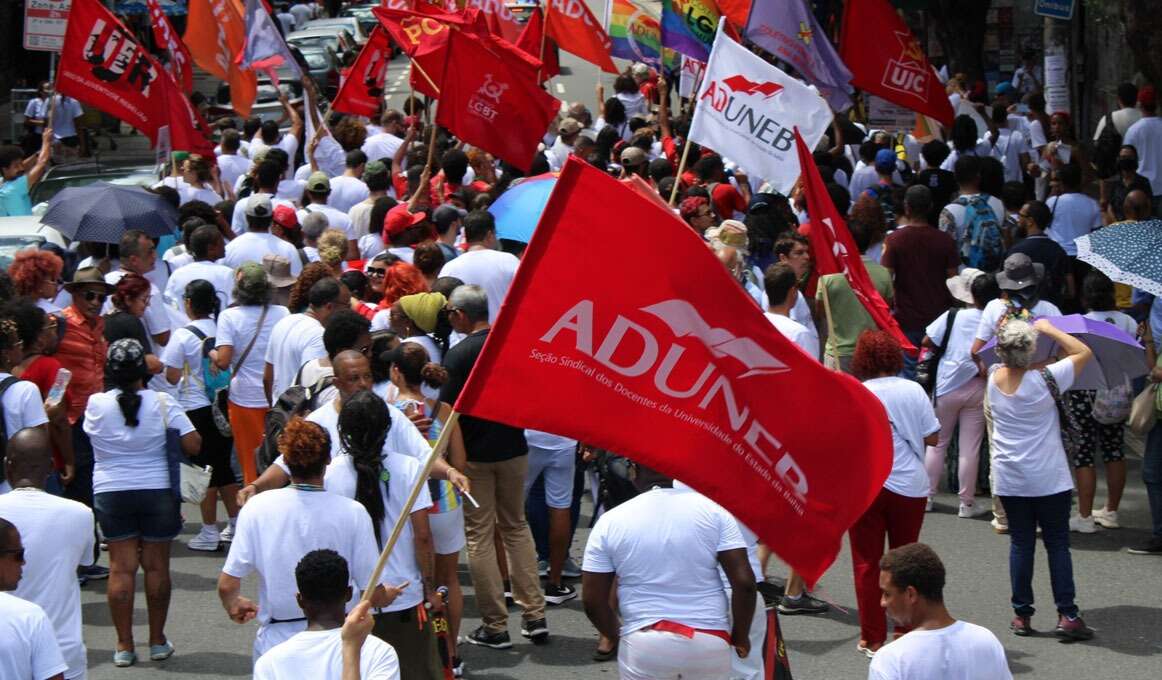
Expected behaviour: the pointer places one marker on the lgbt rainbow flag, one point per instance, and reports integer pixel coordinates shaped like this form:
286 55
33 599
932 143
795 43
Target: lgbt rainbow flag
688 27
636 35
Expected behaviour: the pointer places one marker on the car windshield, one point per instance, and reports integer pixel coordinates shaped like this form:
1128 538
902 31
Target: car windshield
49 186
331 41
315 59
10 245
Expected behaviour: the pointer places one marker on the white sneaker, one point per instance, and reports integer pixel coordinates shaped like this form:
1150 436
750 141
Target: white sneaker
970 510
1106 518
207 540
999 527
928 506
228 533
1082 525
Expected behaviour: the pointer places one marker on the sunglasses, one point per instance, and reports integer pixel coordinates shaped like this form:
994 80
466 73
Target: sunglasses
376 271
92 296
18 553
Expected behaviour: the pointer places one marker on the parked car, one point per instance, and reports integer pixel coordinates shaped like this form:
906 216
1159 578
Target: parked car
132 170
350 24
337 38
362 14
324 68
26 231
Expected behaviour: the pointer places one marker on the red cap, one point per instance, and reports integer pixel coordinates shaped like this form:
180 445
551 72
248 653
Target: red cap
1147 96
286 217
399 219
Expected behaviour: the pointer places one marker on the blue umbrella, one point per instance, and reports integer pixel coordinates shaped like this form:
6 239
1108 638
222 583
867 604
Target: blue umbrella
102 212
518 209
1129 253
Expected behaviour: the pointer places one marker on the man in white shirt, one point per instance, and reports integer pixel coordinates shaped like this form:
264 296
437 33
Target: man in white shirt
303 11
1074 213
1146 136
64 127
377 179
269 134
315 199
673 613
266 182
483 264
382 146
1008 146
324 650
139 256
1029 77
780 283
1125 115
58 537
954 219
938 646
285 19
258 241
231 164
207 247
298 338
28 645
864 175
567 132
348 189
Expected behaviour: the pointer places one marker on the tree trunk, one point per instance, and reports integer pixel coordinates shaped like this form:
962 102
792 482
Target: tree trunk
1142 21
960 26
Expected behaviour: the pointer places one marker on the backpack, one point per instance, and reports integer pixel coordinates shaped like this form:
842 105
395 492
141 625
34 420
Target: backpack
216 382
4 385
984 247
1106 148
297 400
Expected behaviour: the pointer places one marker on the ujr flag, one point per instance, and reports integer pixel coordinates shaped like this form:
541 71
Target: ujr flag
788 30
362 91
669 362
747 110
180 62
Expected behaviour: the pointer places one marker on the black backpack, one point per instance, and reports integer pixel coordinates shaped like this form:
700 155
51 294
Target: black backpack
4 385
1106 148
295 401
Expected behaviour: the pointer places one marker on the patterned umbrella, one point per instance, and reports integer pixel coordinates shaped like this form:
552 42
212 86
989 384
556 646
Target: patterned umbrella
102 212
1129 253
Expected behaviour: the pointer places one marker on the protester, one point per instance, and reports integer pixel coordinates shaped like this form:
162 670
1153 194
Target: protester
138 255
207 247
1115 190
1057 283
20 400
130 301
298 338
28 645
482 264
258 241
21 174
36 274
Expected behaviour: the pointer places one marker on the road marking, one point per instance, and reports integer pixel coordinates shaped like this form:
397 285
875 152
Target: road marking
560 88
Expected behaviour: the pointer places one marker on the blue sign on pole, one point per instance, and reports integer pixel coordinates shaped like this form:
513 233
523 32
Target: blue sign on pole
1055 9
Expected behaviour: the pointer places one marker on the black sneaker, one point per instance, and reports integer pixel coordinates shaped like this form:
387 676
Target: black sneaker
559 594
804 604
537 631
483 638
1151 547
94 573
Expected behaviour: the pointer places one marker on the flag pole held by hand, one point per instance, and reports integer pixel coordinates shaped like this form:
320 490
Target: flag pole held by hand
405 513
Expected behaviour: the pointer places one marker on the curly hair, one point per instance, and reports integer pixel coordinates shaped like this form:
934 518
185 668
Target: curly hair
876 353
299 293
402 279
350 133
918 566
305 447
31 268
429 259
868 214
1016 343
129 287
332 247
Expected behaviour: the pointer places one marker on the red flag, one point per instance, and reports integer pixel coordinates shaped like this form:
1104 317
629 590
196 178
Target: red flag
362 90
103 66
892 66
424 40
501 20
572 26
164 35
488 103
668 361
833 250
736 12
533 40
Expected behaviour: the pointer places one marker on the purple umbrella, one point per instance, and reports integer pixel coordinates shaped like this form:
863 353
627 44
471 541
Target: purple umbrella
1117 357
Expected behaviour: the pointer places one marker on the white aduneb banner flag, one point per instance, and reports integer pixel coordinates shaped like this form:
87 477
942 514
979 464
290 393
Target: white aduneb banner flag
747 110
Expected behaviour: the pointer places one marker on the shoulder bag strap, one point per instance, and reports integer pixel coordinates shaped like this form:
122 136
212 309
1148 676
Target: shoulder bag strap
830 322
250 346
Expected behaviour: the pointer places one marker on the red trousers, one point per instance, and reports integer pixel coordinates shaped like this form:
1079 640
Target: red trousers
897 518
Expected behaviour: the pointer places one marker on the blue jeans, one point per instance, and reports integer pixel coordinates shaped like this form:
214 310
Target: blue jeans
1152 477
910 362
1052 514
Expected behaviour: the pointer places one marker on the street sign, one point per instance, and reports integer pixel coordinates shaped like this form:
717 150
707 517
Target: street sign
44 24
1055 9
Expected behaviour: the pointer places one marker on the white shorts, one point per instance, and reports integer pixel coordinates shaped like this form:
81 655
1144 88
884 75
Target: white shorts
556 465
751 668
447 531
655 655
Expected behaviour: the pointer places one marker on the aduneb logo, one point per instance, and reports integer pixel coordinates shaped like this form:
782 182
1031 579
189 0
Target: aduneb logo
729 98
907 73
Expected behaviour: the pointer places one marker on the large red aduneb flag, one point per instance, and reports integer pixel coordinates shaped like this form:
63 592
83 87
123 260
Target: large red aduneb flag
489 101
668 361
892 65
180 62
102 65
362 90
574 28
833 250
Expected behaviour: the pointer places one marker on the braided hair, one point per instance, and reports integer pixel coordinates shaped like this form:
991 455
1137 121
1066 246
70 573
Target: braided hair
363 426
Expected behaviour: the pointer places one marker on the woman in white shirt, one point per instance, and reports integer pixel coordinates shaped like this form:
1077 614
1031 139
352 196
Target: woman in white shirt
1097 438
898 511
133 495
188 349
959 390
1030 471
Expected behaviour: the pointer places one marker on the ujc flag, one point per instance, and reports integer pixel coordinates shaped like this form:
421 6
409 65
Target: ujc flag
747 110
669 362
788 30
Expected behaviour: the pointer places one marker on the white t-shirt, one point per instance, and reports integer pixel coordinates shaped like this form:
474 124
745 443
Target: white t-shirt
157 318
492 270
346 192
294 341
58 537
962 651
64 117
1146 136
635 104
303 12
238 219
28 645
336 219
1008 150
995 309
402 474
403 437
231 166
236 326
1123 321
1027 454
184 351
1074 215
219 275
371 245
277 528
639 539
863 177
982 149
381 147
796 333
800 313
251 246
318 654
360 216
912 418
956 365
23 406
953 218
132 458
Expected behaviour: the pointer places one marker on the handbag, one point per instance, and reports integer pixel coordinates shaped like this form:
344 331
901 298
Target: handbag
1144 410
1112 406
927 367
187 481
1070 428
195 481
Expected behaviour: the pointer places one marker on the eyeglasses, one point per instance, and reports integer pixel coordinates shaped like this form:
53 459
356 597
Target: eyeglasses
18 553
376 272
93 296
450 309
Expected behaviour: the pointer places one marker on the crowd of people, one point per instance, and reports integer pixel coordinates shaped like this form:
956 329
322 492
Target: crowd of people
305 332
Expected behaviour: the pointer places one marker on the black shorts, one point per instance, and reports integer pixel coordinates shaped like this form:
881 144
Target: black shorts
152 515
71 142
1096 438
216 449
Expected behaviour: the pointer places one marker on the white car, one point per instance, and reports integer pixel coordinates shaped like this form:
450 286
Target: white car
26 231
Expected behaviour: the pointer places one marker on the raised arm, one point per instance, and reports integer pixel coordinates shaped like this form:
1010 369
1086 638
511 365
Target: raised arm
1071 346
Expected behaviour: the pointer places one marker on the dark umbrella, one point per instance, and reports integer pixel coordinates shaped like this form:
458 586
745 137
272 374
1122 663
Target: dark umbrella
102 212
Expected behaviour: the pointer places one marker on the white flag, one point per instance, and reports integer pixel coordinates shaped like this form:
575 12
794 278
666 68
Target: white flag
747 110
265 47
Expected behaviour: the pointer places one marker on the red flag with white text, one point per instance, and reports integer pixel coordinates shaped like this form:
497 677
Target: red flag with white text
488 103
574 28
668 361
180 63
362 90
833 250
424 40
501 20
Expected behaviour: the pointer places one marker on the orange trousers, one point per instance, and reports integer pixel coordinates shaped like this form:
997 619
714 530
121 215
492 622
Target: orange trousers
248 425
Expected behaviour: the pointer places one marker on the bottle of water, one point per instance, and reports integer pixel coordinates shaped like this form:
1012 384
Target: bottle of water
57 391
